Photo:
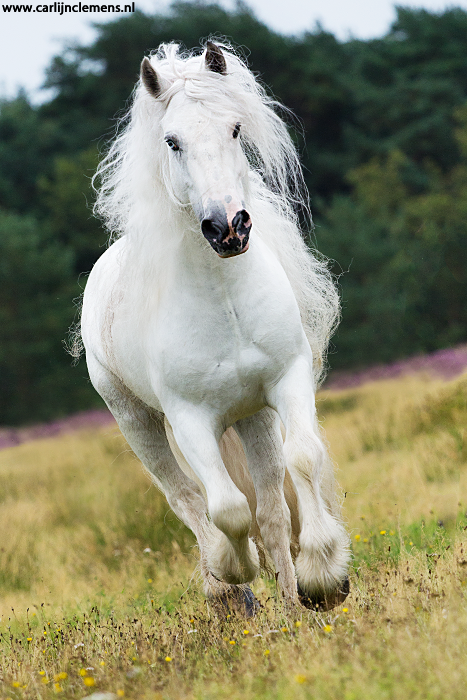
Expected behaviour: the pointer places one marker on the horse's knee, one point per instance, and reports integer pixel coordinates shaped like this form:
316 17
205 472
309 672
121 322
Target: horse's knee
304 452
232 516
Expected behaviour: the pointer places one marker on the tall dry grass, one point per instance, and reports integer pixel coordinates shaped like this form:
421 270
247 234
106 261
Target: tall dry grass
97 591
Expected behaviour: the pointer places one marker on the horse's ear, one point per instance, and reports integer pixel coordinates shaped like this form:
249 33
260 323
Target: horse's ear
149 78
214 59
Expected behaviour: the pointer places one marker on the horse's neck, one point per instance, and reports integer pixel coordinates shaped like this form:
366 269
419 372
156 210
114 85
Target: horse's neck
199 267
172 255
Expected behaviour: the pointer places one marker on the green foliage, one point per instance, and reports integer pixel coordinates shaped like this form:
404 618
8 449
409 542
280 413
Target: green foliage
26 144
375 546
67 198
405 289
35 308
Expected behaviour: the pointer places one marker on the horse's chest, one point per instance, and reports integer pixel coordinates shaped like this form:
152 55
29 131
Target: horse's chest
221 353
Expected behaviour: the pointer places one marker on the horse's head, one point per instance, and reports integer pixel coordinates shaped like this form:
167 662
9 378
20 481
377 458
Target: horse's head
207 166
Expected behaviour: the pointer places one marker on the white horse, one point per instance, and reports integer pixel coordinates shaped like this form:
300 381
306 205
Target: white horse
201 340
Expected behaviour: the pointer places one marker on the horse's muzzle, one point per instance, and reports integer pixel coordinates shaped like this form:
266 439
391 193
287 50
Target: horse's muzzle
227 238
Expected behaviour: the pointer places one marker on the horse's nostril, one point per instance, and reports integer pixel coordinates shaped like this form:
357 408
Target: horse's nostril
241 221
214 229
207 227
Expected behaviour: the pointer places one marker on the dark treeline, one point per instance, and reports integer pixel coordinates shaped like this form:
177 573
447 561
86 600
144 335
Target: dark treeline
384 146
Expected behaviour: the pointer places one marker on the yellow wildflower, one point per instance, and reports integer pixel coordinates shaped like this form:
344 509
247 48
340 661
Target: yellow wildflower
168 659
232 641
327 628
346 610
357 537
83 672
382 532
246 632
120 693
266 652
300 678
89 681
58 688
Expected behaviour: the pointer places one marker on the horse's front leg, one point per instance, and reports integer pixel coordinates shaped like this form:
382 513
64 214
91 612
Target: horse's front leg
145 432
262 442
231 555
322 563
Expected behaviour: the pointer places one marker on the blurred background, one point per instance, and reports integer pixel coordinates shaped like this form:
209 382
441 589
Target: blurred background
382 98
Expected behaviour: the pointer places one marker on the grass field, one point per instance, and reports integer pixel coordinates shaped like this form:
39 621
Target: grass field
98 591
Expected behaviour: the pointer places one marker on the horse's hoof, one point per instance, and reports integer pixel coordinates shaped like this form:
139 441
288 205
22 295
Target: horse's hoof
321 601
250 603
238 600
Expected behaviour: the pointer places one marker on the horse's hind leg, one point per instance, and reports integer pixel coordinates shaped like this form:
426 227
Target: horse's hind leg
262 442
144 431
322 563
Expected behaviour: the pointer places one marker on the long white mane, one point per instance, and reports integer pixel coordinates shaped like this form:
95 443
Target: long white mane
135 198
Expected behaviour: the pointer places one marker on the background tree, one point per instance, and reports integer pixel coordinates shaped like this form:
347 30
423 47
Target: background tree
405 286
35 310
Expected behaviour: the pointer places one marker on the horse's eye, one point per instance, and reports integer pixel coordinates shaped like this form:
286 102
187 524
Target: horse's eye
236 131
172 144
